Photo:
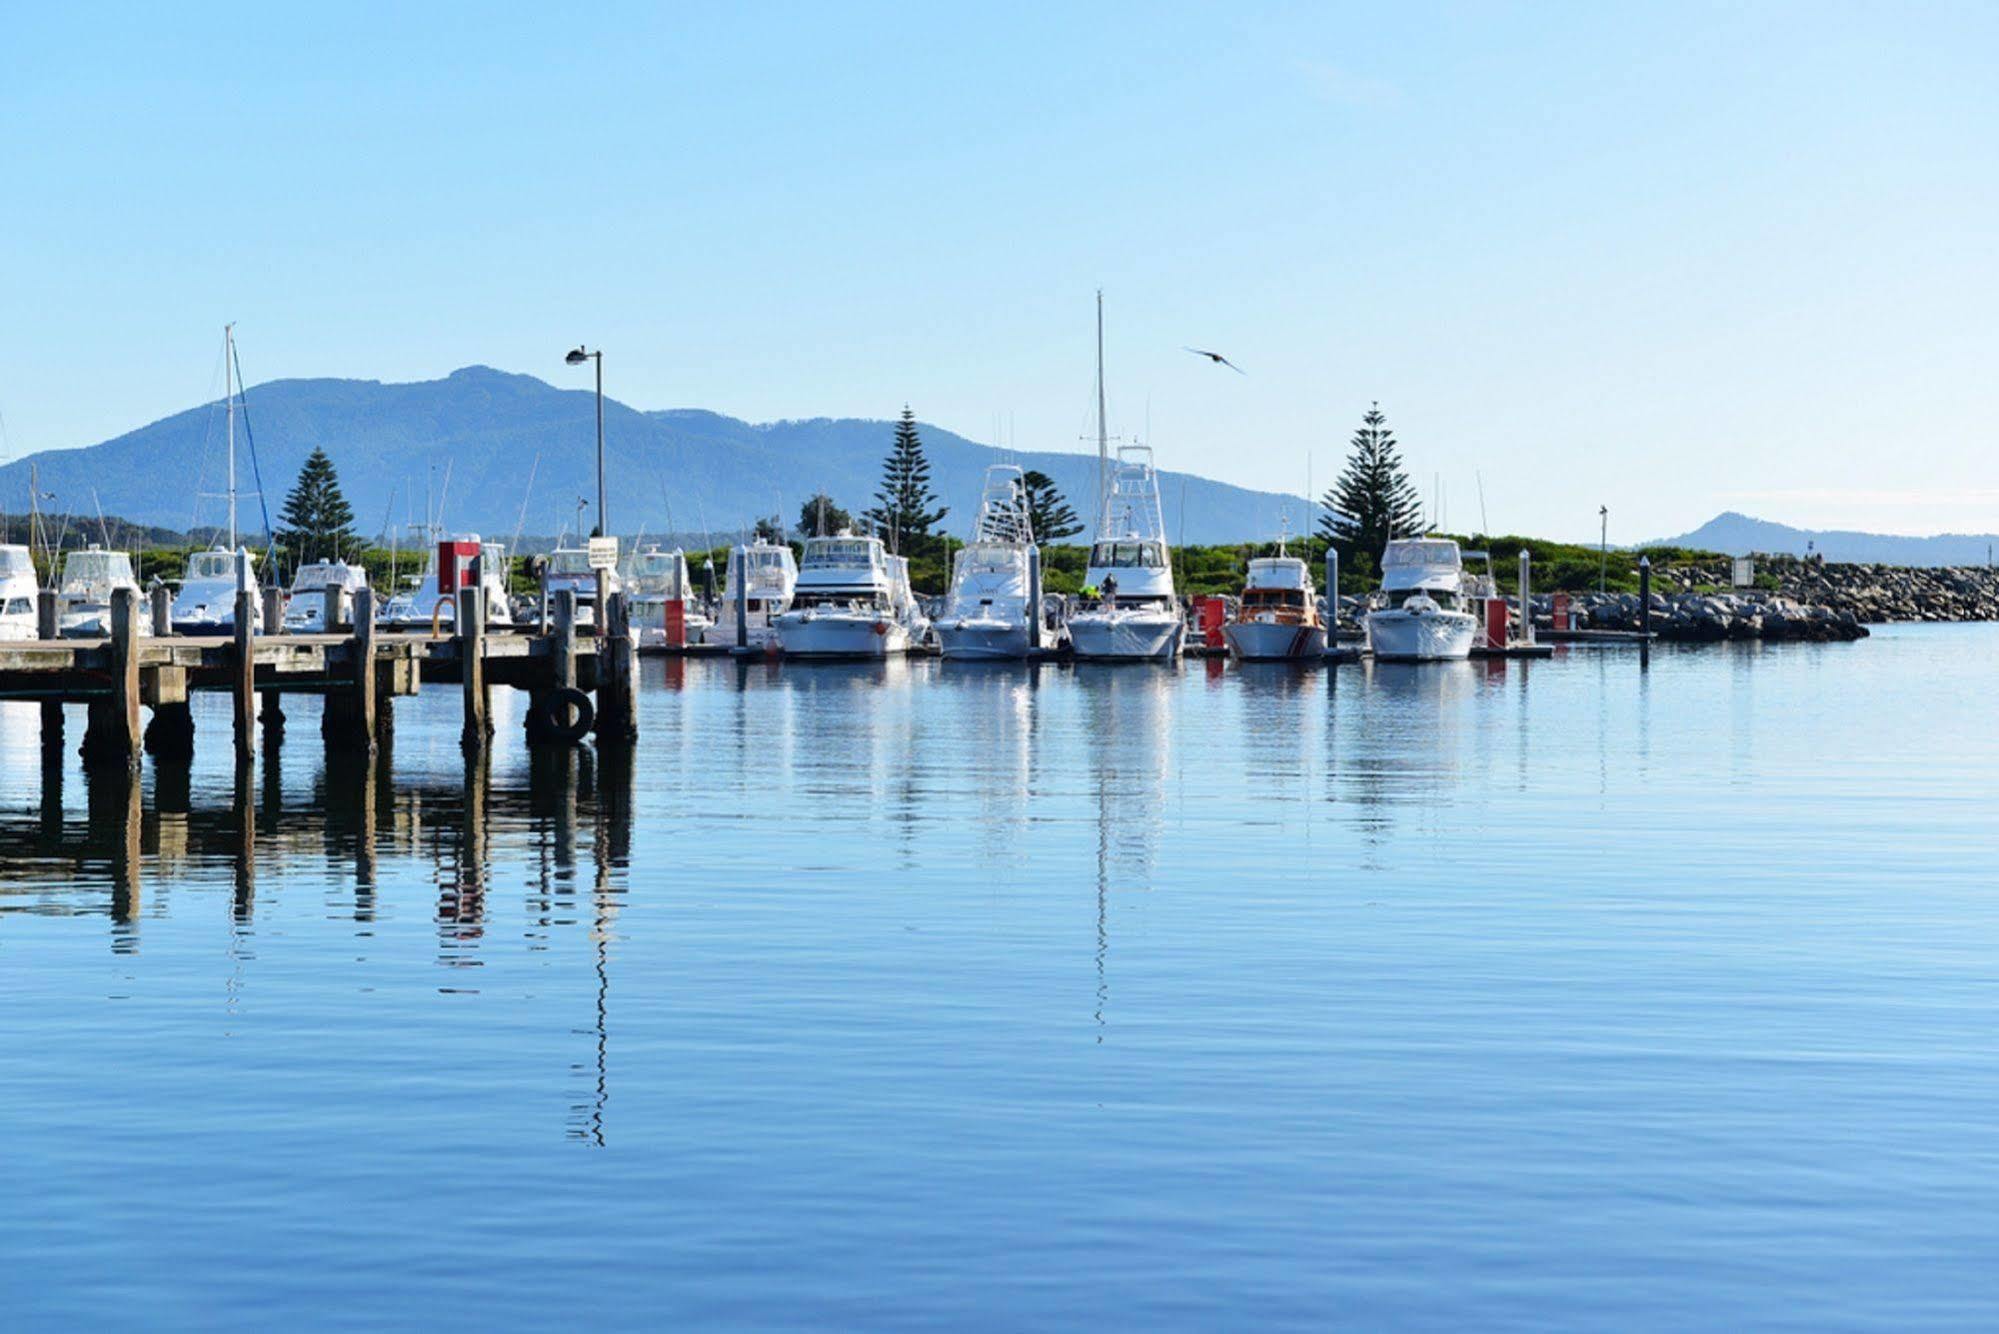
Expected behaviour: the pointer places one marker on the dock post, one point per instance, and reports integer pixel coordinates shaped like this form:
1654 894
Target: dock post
274 609
48 625
617 676
163 611
333 619
112 739
348 724
470 631
1526 606
170 734
244 687
597 605
1644 611
1332 597
742 581
561 671
1033 597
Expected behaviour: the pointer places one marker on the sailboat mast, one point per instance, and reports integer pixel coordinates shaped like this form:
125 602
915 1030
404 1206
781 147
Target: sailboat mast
229 403
1103 430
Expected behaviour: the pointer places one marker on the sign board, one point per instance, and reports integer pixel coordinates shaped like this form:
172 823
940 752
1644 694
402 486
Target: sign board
603 553
1744 573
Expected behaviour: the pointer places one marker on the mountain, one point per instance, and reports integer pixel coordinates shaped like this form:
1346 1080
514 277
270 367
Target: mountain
1739 535
489 427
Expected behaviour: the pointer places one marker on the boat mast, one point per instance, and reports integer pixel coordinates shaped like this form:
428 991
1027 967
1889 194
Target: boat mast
1103 433
229 403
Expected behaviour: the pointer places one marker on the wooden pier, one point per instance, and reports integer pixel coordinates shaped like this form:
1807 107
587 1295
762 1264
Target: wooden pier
358 669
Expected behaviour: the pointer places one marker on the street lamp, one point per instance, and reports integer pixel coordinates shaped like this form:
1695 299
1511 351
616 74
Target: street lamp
577 358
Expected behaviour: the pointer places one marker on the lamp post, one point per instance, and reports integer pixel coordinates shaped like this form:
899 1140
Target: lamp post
577 358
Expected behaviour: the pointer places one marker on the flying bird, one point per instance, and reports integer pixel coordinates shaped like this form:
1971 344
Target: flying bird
1217 358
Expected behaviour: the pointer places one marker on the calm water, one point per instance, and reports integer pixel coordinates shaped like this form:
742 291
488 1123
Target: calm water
1510 995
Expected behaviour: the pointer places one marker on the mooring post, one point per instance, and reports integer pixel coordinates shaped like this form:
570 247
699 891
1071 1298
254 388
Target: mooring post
348 723
48 625
244 687
1644 611
541 578
1526 607
163 611
1033 597
1332 598
597 604
564 667
560 672
470 631
617 676
739 574
111 738
333 617
274 609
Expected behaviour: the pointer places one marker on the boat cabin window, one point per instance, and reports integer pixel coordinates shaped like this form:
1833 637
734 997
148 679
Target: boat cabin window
19 606
1273 597
1128 556
569 562
838 554
13 561
211 565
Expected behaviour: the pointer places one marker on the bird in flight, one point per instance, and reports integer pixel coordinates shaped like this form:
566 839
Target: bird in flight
1217 358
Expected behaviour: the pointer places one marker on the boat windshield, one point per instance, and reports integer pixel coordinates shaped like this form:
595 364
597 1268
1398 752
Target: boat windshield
1416 552
1128 556
15 561
211 565
92 569
569 561
838 554
991 557
1273 597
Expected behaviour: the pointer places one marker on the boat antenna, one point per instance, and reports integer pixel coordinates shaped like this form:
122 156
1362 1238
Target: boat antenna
1484 526
1103 429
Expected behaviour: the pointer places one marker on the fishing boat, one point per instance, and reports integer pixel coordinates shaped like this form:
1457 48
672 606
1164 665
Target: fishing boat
1426 595
853 600
206 601
18 587
418 608
1278 616
654 578
990 610
1130 610
765 574
305 606
83 594
570 568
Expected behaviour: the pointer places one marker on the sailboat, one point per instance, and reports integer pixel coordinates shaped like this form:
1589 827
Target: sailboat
206 602
990 610
1134 614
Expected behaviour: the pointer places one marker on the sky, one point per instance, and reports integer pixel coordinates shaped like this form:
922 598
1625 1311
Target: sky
1670 259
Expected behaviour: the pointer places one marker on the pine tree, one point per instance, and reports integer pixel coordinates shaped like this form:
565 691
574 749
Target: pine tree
809 516
902 507
1051 515
318 521
1372 501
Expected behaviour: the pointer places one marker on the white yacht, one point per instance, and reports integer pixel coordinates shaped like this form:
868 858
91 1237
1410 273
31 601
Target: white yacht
767 573
83 594
1427 616
853 600
305 606
652 579
991 606
415 609
206 601
1278 618
570 568
18 588
1134 612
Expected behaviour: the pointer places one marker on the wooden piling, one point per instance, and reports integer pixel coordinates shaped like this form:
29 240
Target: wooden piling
334 618
170 734
349 722
274 609
112 737
162 600
48 625
617 675
470 631
244 685
564 635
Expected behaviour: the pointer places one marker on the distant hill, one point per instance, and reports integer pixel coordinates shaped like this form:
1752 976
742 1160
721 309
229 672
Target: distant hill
387 440
1739 535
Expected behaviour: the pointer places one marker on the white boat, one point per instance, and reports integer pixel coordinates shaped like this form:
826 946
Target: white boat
18 588
83 594
1278 618
652 579
416 609
1134 612
990 609
853 600
1427 616
206 601
570 568
767 573
305 607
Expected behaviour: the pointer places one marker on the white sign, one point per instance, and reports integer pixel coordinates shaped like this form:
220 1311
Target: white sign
603 553
1744 573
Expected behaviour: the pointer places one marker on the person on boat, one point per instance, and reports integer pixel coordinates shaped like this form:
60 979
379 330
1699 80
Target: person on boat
1110 590
1089 593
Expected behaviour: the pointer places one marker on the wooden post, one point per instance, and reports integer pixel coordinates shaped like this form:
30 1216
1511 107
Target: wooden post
170 734
244 687
1526 599
349 721
274 609
1033 598
617 676
163 611
565 639
112 737
334 618
48 625
1644 612
470 631
741 575
597 606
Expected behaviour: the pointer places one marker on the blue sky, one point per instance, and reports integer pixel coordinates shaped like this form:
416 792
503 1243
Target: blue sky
1669 258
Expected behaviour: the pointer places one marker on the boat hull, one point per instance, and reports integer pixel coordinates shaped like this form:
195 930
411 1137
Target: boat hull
1267 641
982 641
839 636
1125 637
1410 636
